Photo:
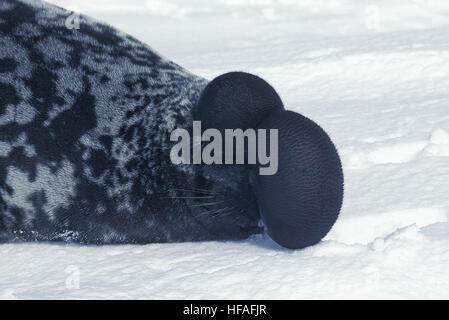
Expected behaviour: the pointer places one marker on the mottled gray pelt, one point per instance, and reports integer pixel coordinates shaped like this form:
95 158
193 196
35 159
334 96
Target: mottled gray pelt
85 123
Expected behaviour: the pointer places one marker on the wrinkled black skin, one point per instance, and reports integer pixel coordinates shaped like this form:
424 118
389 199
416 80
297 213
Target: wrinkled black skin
236 100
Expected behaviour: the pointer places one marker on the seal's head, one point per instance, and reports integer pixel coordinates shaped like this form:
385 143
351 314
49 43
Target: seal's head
301 201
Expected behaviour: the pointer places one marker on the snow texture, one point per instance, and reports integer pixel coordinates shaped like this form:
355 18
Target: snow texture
373 74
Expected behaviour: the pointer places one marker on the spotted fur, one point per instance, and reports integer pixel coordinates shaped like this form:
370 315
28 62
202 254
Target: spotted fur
85 121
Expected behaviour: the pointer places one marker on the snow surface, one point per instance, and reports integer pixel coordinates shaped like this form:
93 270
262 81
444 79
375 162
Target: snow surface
373 74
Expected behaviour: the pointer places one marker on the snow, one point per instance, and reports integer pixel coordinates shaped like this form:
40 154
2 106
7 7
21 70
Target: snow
374 75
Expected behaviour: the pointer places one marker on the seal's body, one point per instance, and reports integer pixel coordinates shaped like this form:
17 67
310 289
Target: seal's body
85 122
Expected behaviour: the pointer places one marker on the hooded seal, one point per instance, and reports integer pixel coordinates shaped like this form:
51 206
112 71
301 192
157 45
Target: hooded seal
85 122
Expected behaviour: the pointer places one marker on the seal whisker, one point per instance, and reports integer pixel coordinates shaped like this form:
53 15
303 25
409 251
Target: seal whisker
199 189
205 212
209 203
211 212
227 212
187 190
185 197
